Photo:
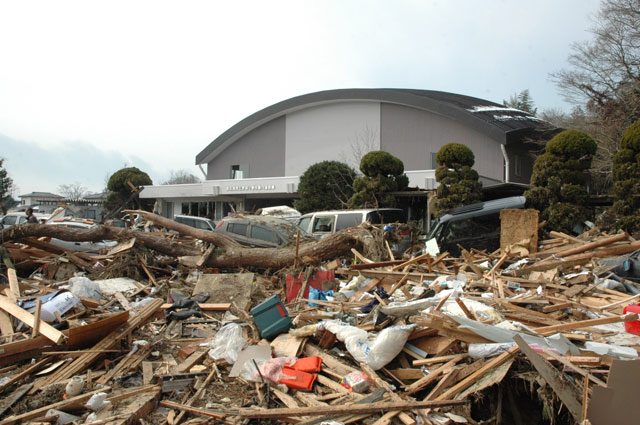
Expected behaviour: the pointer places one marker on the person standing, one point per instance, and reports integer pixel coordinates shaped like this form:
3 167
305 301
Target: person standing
30 217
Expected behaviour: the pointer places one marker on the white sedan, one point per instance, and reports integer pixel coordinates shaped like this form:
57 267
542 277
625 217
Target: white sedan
94 247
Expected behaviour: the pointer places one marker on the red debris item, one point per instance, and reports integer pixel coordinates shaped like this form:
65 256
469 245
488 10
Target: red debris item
308 364
298 380
294 284
633 326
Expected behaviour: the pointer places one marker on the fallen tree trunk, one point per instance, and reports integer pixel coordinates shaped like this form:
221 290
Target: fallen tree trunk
95 234
229 256
218 239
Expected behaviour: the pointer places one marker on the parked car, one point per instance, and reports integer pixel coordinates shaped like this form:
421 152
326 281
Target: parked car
323 223
87 246
259 231
473 226
202 223
19 217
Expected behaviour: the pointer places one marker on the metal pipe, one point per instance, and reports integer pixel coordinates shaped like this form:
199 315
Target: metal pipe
506 163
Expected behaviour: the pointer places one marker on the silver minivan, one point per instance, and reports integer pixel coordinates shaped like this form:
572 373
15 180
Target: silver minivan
202 223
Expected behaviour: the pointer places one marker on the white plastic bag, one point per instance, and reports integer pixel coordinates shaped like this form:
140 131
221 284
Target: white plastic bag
227 343
376 351
85 287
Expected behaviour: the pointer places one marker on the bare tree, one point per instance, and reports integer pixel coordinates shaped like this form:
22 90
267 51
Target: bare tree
604 77
182 177
361 144
73 192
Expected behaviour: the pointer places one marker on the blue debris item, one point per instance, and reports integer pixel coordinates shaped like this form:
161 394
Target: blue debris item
271 317
381 293
317 294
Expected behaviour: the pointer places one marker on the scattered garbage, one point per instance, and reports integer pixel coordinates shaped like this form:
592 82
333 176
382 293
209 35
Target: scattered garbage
362 337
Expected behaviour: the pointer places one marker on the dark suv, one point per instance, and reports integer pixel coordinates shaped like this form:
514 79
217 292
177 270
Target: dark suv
473 226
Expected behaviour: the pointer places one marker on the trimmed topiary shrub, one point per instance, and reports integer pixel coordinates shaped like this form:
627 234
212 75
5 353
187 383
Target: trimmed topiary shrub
121 191
383 173
326 185
626 181
459 183
558 180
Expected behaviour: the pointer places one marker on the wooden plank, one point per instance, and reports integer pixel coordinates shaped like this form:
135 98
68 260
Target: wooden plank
379 383
464 309
328 360
471 379
106 343
36 320
140 407
339 410
13 282
23 315
593 245
558 383
410 262
423 382
369 286
147 372
573 367
61 405
441 359
548 330
6 325
124 302
206 306
11 399
360 256
195 410
191 361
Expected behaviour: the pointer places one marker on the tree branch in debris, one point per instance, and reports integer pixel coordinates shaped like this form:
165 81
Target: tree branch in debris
229 255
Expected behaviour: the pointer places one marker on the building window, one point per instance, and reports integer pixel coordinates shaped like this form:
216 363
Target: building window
236 172
434 163
517 166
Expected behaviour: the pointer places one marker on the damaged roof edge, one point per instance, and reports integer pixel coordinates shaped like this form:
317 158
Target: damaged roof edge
450 105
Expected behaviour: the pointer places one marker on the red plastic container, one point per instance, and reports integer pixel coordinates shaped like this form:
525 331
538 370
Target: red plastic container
633 327
294 284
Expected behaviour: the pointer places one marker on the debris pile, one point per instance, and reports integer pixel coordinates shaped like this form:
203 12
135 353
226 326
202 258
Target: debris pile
537 332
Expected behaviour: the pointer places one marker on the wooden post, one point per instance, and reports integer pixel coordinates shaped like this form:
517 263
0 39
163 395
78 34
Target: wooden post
36 324
295 260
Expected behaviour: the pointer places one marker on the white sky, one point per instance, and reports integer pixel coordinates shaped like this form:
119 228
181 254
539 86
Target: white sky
89 87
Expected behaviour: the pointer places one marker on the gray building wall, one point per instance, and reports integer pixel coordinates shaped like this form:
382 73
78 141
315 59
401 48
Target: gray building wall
327 132
261 152
413 134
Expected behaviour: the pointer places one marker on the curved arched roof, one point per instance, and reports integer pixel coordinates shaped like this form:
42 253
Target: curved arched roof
495 120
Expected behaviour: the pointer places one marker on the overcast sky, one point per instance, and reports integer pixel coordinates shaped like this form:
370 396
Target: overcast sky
89 87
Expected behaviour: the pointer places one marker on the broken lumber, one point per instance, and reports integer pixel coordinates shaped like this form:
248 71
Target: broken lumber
339 410
23 315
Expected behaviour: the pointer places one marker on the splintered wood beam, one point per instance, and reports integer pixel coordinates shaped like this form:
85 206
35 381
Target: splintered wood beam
13 282
560 385
23 315
417 259
592 245
423 382
340 410
471 379
548 330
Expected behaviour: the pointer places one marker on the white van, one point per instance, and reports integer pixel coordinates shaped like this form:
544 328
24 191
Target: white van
323 223
19 217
